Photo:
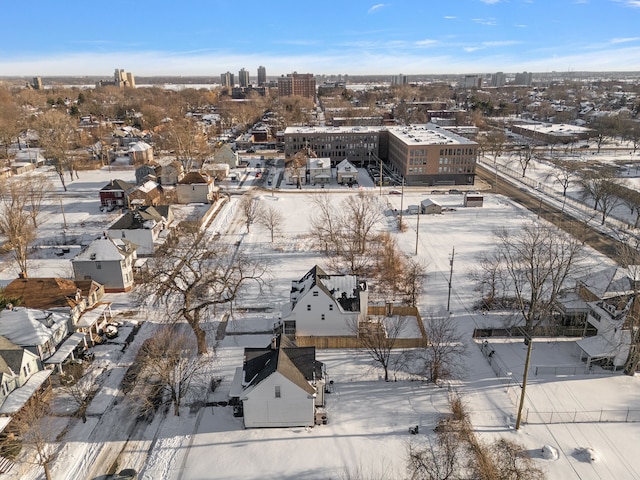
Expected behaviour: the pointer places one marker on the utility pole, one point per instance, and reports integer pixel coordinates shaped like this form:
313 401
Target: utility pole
525 375
401 202
380 176
453 253
417 230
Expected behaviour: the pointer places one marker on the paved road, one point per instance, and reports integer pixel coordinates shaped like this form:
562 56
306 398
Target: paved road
536 204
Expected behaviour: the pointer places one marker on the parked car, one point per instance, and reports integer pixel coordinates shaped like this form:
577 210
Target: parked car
127 474
395 192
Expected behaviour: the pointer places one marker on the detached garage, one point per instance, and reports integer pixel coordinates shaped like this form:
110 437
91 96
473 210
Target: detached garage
428 206
473 199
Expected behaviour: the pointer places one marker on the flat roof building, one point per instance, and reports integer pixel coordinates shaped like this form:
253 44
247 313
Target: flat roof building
297 84
422 154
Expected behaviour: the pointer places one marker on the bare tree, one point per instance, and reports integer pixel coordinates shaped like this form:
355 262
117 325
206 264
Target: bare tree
524 155
36 188
629 258
378 337
56 132
439 460
170 362
445 348
537 260
34 427
344 232
603 187
271 218
565 174
16 221
81 387
512 461
397 273
191 275
188 139
251 209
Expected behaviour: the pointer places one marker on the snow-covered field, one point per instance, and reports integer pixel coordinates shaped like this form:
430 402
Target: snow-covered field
369 419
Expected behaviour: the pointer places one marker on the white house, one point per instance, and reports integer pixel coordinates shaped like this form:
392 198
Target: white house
280 385
140 152
107 261
143 227
325 305
196 187
602 300
346 172
39 331
428 207
16 367
319 170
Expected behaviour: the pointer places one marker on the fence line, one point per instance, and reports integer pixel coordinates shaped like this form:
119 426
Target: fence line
582 416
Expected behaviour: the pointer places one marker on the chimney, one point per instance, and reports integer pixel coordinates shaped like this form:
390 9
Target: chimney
274 343
22 275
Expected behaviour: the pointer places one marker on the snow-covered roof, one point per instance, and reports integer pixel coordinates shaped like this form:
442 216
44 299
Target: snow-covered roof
19 397
139 147
64 350
30 327
346 166
104 249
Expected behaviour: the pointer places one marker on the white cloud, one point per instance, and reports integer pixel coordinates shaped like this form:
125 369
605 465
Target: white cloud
487 21
616 41
501 43
426 43
520 25
449 17
471 49
376 7
490 2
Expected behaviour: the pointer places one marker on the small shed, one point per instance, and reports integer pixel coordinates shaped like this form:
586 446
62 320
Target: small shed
428 206
413 209
473 199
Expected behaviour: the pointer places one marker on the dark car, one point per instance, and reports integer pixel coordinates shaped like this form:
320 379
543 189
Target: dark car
127 474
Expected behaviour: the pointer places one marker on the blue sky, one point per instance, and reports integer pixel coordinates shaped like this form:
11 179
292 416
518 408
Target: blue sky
198 37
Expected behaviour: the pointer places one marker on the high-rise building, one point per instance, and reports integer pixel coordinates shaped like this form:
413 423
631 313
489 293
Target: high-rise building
297 84
226 79
497 79
524 78
37 83
472 81
399 80
262 76
123 79
243 78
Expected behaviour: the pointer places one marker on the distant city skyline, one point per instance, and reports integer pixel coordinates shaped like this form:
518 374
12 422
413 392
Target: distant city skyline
352 37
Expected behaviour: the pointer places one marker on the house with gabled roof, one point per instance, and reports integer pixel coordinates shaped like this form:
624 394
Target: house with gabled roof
56 294
114 194
346 173
146 227
281 385
319 170
107 261
196 187
149 193
325 305
601 303
39 331
16 366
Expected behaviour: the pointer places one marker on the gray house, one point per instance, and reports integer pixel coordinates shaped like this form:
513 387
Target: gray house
107 261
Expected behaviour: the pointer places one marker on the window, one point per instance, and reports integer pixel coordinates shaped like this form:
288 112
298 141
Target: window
308 308
331 307
315 293
278 391
99 265
322 317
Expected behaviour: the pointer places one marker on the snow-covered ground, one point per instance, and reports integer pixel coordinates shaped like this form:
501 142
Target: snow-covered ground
367 431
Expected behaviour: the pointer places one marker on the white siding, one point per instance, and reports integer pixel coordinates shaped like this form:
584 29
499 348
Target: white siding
294 408
309 322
